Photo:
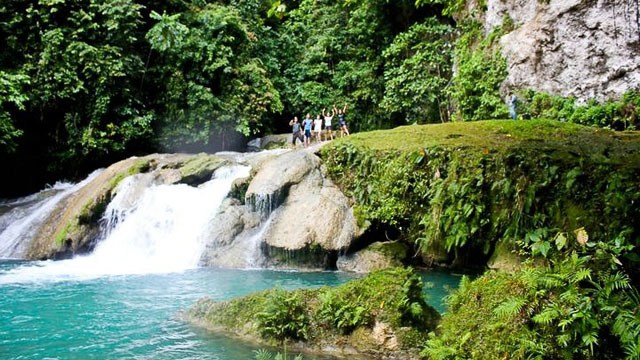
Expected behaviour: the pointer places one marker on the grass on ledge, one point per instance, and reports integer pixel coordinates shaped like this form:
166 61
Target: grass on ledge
503 135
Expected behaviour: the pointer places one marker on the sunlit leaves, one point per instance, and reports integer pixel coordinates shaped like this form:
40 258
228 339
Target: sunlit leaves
167 32
417 70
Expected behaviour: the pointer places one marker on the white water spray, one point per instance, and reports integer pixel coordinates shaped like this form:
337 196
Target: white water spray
163 231
20 224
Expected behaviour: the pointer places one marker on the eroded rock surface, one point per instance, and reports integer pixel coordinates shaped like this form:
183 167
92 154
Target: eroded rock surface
585 49
289 207
73 225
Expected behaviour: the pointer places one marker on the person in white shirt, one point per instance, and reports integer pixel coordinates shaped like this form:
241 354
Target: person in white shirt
317 128
328 117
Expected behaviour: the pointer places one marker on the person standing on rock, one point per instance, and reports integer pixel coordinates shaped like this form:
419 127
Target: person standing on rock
317 129
327 123
512 103
297 134
306 124
342 122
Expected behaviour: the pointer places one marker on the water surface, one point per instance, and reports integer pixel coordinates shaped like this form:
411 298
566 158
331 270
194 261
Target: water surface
135 316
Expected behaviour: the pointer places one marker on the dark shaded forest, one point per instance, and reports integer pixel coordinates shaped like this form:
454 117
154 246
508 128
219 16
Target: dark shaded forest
84 83
87 82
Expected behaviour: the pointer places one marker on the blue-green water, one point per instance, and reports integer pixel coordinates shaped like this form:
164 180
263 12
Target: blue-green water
135 316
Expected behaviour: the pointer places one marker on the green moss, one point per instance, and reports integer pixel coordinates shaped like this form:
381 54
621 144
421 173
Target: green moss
200 168
141 166
310 256
464 186
63 234
393 249
329 315
570 308
93 210
276 145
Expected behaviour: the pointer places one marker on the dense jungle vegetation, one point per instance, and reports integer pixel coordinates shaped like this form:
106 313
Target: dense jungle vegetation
86 82
551 205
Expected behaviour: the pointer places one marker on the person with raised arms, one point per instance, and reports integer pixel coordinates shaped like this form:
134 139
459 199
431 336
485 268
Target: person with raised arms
342 122
328 117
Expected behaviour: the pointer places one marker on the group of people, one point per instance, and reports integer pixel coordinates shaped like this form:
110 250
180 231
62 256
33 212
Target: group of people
310 128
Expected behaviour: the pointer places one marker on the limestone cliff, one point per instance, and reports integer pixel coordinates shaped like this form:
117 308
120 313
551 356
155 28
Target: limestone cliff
580 48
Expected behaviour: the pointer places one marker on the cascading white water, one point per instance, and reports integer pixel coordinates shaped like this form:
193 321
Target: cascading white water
163 231
20 224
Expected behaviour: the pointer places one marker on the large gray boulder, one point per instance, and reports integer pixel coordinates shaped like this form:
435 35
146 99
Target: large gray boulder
234 237
315 212
377 256
271 184
290 211
585 49
311 210
73 226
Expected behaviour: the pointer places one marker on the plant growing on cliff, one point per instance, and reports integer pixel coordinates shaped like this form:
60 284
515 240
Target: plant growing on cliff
417 70
619 114
480 70
459 188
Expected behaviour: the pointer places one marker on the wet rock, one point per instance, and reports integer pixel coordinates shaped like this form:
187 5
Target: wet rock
376 256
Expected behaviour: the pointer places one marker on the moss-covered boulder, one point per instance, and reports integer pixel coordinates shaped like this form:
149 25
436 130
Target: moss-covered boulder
377 256
198 169
457 190
383 314
580 306
71 227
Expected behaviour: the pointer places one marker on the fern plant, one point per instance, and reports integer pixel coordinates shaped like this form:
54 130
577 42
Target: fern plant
284 317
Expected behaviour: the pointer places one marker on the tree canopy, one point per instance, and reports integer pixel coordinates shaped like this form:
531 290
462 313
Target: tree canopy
86 82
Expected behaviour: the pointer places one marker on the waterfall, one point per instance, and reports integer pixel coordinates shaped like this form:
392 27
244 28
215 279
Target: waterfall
163 230
20 219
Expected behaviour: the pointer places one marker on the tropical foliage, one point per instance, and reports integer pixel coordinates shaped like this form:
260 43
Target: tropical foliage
87 82
580 305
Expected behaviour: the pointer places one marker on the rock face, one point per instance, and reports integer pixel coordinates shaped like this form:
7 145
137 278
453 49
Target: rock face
291 210
322 320
313 212
376 256
285 208
584 49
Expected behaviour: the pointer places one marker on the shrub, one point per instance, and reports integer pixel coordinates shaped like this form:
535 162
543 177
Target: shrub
284 316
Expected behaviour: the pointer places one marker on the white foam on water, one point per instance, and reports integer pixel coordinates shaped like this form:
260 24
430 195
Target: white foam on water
165 231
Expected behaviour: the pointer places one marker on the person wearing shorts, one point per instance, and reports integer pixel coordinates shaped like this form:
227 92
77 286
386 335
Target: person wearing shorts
296 133
342 123
328 117
306 125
